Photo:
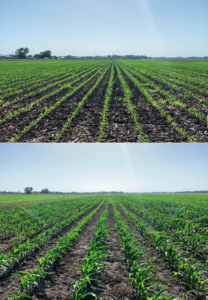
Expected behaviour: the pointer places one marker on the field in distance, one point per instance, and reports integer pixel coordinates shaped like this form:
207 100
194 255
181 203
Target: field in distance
104 101
5 199
106 247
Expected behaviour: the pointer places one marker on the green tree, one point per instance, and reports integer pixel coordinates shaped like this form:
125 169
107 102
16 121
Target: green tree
46 53
28 190
22 52
44 191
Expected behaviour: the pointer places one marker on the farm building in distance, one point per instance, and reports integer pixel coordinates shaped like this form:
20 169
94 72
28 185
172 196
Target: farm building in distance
5 57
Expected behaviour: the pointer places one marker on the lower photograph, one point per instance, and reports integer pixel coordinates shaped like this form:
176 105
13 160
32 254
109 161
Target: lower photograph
103 221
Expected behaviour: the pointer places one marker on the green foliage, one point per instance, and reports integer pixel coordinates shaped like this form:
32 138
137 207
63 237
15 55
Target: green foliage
22 52
28 190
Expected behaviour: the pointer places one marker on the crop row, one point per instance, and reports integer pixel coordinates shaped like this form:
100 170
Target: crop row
33 277
16 73
169 99
158 106
195 84
94 261
28 107
65 97
140 271
171 251
26 220
9 261
43 79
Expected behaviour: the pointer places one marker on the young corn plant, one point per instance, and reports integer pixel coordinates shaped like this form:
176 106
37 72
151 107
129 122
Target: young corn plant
140 271
94 262
33 277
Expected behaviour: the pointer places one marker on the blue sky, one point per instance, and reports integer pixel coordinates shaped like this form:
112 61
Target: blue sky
81 27
104 167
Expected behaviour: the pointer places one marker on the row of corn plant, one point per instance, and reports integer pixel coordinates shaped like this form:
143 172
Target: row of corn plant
48 110
18 254
55 81
75 112
169 99
158 106
183 92
31 231
94 261
190 233
12 114
44 80
140 270
59 83
19 222
181 77
19 72
105 113
174 256
131 107
183 81
33 277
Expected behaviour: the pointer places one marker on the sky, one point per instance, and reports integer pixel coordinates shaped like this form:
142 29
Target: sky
156 28
104 167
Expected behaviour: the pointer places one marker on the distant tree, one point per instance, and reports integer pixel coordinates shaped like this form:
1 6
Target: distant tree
28 190
22 52
46 53
44 191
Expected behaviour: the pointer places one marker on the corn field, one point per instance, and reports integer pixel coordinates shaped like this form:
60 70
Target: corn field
143 247
103 101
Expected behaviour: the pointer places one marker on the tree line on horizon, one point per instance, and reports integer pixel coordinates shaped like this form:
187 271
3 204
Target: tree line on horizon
29 191
22 53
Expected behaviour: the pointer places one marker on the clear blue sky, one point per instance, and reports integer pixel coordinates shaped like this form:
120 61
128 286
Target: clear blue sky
104 167
161 27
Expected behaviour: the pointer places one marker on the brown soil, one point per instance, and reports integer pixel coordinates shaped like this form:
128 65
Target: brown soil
9 285
193 126
46 130
190 102
42 84
176 288
5 244
120 126
25 101
195 259
116 286
55 285
85 126
9 128
155 126
175 92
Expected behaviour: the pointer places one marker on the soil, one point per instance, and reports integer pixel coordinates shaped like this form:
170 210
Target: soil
155 126
9 285
175 287
41 84
190 102
195 259
114 278
46 130
195 127
120 126
5 244
9 128
54 286
85 126
22 102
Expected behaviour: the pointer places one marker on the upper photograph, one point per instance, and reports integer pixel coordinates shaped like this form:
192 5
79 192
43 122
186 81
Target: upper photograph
104 72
